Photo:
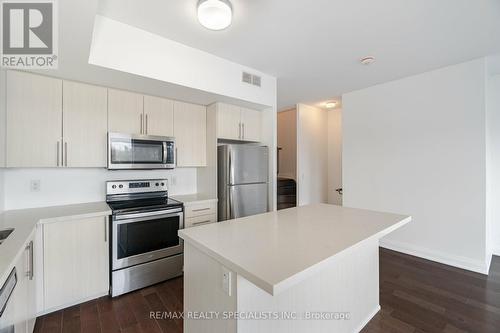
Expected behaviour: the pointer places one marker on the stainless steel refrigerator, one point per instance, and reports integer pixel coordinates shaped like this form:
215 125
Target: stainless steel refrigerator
242 180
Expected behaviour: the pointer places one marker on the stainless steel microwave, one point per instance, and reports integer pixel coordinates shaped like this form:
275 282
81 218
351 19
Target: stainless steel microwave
129 151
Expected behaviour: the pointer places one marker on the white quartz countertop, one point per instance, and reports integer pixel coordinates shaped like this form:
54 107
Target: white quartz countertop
193 198
276 250
24 222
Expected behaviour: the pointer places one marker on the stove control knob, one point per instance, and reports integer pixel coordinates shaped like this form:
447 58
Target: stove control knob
114 186
157 184
120 186
162 184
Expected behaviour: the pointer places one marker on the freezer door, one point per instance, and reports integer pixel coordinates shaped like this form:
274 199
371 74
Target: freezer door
246 200
248 164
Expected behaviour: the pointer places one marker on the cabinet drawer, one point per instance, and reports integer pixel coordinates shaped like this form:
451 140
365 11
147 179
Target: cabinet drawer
198 209
200 220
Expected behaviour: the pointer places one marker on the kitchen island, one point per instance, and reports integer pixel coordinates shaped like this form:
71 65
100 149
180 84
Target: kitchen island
306 269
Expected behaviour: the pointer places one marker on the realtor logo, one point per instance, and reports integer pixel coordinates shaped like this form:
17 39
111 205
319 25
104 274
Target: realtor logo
29 34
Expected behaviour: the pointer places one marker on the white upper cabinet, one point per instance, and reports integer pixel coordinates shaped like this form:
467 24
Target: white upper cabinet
237 123
34 116
158 116
190 131
228 122
125 112
251 124
84 125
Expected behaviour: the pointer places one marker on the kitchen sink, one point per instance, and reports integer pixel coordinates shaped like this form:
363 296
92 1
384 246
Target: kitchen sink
4 234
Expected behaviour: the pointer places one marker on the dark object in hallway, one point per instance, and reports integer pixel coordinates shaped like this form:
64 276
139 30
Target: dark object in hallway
416 296
287 193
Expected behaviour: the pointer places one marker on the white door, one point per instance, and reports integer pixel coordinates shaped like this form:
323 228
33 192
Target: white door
158 116
228 122
125 112
190 130
84 125
34 118
251 122
75 255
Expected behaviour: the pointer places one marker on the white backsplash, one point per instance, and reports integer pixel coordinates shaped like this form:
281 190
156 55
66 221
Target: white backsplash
69 186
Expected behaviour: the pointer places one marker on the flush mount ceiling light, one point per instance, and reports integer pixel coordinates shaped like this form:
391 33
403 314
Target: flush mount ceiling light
215 14
367 60
331 104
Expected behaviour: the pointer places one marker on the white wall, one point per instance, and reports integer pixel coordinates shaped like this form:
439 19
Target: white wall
312 155
417 146
493 162
68 186
334 156
122 47
287 141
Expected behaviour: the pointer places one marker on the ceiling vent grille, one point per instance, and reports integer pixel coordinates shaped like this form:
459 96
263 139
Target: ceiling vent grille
251 79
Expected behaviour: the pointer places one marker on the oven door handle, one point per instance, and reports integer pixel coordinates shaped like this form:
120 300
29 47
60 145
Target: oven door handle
137 217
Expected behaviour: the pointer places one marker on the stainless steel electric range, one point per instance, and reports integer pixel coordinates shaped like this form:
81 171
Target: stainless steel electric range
145 248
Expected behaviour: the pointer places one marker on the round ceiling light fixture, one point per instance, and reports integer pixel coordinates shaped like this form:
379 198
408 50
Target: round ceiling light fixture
215 14
367 60
331 104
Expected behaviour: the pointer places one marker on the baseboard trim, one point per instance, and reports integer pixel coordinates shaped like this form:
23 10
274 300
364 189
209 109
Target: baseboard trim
367 320
67 305
456 261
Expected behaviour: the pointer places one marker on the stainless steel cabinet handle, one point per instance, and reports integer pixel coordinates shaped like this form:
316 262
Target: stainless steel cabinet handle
66 153
200 209
201 222
105 230
57 157
239 131
243 135
142 125
29 248
146 126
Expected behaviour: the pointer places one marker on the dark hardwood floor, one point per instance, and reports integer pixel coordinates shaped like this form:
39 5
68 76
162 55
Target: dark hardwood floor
416 296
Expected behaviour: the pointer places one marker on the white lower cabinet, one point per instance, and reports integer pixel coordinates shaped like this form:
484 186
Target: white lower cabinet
20 312
76 261
200 212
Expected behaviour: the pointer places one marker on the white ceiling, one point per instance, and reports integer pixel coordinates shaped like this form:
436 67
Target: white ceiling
313 47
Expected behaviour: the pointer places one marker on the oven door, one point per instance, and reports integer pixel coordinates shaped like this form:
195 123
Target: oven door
140 152
142 237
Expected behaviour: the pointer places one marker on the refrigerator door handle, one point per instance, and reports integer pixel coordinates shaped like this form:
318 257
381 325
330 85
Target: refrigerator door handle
229 202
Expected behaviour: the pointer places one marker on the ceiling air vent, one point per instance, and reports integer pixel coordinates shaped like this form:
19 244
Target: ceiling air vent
247 78
251 79
256 80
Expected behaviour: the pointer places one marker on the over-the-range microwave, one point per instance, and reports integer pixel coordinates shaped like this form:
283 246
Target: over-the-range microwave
130 151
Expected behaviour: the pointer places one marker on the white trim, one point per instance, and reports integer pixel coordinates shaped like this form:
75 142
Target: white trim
440 257
368 319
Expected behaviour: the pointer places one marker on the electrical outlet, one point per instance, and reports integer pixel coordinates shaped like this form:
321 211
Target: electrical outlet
35 185
226 280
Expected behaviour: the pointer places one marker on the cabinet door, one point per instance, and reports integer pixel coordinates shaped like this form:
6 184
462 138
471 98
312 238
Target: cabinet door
125 112
31 281
251 120
190 129
34 120
158 116
84 125
75 261
228 122
20 296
